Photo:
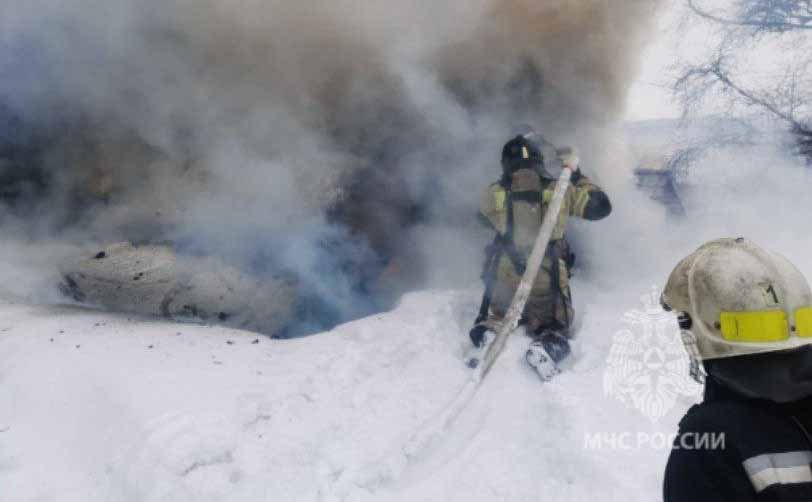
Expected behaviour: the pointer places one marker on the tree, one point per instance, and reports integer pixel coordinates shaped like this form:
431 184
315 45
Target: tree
785 96
762 16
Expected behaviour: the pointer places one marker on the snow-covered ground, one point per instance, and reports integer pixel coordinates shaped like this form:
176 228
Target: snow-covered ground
103 407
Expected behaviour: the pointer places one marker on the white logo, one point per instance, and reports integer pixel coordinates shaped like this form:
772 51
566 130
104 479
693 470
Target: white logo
648 368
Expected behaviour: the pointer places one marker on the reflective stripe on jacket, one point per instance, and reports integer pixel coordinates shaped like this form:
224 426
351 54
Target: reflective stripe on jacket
730 448
579 194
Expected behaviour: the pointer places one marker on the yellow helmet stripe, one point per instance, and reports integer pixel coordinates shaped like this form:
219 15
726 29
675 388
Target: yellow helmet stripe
803 322
755 327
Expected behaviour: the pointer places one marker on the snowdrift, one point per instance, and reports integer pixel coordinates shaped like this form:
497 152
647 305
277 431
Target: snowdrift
102 407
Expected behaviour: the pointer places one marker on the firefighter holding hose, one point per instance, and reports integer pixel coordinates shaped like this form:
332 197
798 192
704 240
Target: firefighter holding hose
514 208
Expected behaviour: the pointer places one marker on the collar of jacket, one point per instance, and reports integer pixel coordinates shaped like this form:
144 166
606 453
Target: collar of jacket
716 391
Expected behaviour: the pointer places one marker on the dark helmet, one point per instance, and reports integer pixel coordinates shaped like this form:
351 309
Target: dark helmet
520 153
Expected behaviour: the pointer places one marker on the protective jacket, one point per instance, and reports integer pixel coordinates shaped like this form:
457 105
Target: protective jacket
515 207
583 199
730 448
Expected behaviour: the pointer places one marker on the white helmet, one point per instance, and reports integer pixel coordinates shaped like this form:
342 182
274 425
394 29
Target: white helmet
740 299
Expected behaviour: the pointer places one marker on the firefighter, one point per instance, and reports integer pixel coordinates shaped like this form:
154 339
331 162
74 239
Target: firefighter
746 320
514 208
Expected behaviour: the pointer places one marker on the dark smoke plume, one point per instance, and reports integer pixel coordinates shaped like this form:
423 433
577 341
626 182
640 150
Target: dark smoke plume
344 143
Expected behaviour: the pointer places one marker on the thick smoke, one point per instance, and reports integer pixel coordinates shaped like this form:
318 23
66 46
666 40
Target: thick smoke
344 143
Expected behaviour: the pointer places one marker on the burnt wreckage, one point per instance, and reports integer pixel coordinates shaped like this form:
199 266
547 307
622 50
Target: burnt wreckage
154 280
149 273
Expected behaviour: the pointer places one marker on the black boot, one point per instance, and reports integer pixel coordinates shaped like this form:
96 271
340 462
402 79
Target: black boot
477 335
556 344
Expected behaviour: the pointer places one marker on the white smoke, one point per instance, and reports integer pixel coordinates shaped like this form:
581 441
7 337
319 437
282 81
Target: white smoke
333 142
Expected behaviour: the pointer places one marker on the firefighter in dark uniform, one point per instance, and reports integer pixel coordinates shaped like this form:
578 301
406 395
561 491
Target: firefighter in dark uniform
746 319
514 207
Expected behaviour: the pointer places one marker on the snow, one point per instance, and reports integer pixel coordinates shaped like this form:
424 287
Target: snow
102 407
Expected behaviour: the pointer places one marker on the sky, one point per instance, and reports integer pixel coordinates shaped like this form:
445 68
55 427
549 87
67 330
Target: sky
650 96
681 37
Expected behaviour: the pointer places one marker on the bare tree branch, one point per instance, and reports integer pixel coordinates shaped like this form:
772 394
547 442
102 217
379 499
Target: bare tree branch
765 15
752 99
786 98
